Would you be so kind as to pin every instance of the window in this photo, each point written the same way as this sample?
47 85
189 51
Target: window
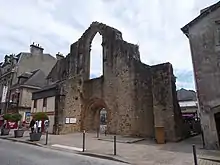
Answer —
13 97
18 97
217 36
217 33
45 102
96 57
35 103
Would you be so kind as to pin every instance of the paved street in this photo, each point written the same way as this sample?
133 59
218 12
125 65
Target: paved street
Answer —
13 153
139 153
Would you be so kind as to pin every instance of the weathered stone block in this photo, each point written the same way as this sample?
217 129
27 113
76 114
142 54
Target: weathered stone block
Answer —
136 96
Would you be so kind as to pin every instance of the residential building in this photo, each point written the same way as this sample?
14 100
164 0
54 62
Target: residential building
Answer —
45 100
189 108
15 66
203 33
21 92
188 102
7 72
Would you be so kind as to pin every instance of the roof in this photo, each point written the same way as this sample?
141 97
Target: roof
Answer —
47 87
23 54
186 95
36 78
203 14
26 75
188 103
47 91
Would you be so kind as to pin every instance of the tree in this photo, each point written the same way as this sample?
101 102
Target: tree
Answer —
40 116
7 116
16 117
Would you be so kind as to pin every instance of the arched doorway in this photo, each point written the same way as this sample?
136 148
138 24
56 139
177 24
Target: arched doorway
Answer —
95 116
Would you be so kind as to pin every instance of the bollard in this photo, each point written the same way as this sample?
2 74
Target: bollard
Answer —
194 155
105 132
97 132
114 145
46 137
84 132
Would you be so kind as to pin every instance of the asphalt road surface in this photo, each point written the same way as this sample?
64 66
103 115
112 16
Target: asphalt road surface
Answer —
14 153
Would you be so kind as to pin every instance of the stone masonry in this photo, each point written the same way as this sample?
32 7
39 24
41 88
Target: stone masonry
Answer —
203 33
138 97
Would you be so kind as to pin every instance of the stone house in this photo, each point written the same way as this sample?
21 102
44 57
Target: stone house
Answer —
7 71
139 99
21 92
16 65
203 33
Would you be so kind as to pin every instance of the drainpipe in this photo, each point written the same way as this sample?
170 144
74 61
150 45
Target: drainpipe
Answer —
18 96
8 94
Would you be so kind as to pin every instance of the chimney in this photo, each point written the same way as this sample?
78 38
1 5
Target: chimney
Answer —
59 56
36 49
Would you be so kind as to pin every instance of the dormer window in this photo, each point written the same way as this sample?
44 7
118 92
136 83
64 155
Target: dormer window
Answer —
21 80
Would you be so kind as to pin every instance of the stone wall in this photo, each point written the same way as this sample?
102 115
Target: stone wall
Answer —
143 99
127 89
25 97
167 112
205 49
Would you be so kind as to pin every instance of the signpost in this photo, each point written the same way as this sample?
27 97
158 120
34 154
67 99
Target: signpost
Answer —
27 116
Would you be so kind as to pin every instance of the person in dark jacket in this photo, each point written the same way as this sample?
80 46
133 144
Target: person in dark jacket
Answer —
32 125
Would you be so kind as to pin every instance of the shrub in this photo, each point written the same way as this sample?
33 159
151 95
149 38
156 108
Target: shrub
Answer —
12 117
7 116
40 116
16 117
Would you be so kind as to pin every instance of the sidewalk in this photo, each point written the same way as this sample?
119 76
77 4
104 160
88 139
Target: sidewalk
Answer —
132 150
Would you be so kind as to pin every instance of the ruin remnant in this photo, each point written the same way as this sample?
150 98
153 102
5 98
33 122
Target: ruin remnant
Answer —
137 97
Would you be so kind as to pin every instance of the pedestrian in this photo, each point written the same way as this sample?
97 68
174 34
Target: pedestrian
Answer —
46 124
32 125
5 124
36 126
39 125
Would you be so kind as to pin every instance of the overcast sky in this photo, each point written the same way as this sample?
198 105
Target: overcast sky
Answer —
152 24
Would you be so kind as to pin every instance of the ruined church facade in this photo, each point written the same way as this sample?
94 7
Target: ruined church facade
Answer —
137 97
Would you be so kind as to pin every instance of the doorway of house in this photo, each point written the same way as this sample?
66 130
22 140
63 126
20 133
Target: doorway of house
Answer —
217 122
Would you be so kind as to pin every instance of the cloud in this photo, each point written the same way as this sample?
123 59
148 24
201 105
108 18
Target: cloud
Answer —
184 79
154 25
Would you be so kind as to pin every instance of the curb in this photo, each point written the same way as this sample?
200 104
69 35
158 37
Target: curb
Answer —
128 142
95 155
209 159
21 141
27 142
101 156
